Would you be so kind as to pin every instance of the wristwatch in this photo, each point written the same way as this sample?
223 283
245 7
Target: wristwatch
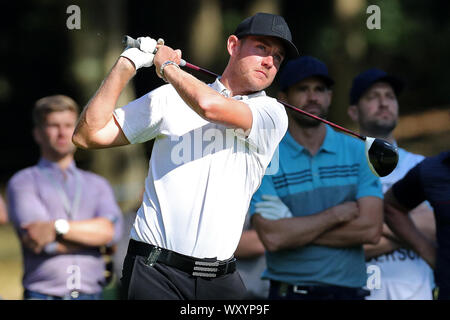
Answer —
61 227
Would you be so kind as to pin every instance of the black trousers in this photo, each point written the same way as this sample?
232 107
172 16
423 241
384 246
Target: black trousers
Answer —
443 293
161 282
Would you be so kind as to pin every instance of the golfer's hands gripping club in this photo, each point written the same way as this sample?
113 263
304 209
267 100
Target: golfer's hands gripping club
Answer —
164 55
157 53
272 208
142 52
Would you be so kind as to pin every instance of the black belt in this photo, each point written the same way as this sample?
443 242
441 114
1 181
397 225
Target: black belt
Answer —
304 290
209 268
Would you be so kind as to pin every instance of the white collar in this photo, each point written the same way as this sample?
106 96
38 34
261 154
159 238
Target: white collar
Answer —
219 87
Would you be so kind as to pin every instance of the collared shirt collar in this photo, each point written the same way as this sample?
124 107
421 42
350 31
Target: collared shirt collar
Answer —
219 87
44 163
328 145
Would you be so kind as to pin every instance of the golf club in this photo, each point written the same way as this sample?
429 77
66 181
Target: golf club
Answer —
382 157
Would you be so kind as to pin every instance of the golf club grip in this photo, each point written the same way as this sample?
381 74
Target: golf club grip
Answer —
133 43
130 42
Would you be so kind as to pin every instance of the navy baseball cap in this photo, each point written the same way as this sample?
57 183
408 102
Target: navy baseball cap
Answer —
301 68
363 81
267 24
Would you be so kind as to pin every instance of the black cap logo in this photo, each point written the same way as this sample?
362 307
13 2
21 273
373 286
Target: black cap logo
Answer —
278 26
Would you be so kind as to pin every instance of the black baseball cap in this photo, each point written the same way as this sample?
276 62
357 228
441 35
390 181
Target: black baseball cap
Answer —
267 24
301 68
363 81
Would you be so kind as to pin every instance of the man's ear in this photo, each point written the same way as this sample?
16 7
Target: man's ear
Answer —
353 113
37 135
232 45
329 96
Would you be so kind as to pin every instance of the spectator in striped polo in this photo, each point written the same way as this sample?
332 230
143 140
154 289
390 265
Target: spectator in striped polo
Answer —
322 205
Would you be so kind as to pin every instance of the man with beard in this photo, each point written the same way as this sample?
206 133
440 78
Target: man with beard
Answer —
63 215
395 271
314 215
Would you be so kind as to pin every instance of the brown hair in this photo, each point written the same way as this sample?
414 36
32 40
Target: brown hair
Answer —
50 104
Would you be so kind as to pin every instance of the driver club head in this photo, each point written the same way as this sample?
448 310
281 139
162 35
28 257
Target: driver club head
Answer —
381 156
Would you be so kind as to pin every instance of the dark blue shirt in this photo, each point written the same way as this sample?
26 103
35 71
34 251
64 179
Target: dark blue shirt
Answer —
430 180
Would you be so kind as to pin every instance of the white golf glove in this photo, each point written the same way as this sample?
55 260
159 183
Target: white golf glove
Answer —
272 208
142 57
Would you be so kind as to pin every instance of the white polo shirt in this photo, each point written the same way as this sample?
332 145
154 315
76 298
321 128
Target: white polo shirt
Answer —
202 175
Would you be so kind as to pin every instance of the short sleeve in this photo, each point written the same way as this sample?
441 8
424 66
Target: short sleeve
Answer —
266 188
368 183
409 191
142 119
269 125
24 204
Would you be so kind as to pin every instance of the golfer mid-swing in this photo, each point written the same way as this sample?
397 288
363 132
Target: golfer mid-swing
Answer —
212 146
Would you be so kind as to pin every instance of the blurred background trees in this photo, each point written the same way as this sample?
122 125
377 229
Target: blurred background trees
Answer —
41 56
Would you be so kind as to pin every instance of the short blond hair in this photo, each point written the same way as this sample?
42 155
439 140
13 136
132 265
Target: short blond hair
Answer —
50 104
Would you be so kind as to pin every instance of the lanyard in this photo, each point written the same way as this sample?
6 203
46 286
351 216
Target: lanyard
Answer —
70 209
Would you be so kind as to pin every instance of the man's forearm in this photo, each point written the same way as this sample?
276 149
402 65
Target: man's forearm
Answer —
293 232
405 229
194 92
94 232
388 243
208 103
250 245
423 218
352 233
65 247
385 245
365 229
98 114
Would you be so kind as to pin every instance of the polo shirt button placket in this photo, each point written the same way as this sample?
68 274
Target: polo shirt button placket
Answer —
315 173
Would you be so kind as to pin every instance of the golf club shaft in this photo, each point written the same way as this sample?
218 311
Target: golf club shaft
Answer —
129 41
186 64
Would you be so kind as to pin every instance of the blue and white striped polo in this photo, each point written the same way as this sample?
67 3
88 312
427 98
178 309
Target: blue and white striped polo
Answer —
309 185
